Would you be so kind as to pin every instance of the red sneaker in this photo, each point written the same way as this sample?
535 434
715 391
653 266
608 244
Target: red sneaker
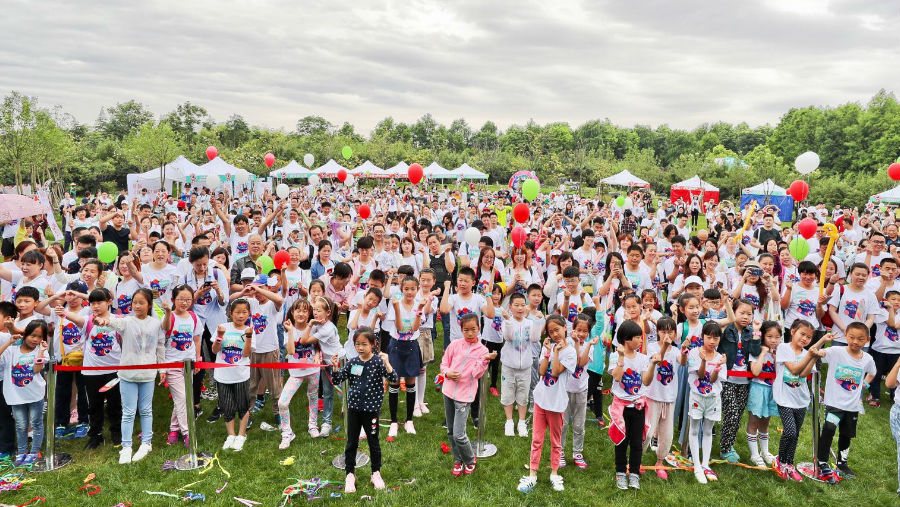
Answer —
495 392
469 468
457 469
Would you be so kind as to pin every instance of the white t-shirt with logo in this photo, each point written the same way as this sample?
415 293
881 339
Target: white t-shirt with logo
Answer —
845 378
550 392
180 339
789 390
664 387
631 386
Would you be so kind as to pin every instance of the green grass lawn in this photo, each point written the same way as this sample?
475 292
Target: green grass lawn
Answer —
257 474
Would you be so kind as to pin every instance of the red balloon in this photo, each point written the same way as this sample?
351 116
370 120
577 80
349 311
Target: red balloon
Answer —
211 152
521 212
270 159
840 223
518 237
415 173
281 258
342 175
799 190
788 192
894 171
807 227
364 211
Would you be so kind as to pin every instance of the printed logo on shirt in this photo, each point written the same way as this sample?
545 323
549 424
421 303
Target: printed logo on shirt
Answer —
848 377
70 334
694 342
406 334
631 382
851 308
123 303
768 367
483 287
23 372
101 344
182 340
806 307
876 270
242 247
303 351
790 379
259 323
233 351
739 360
753 298
793 278
205 299
460 313
548 379
665 373
574 310
577 373
703 384
890 333
497 323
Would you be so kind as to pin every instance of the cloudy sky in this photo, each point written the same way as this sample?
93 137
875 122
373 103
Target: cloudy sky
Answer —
681 62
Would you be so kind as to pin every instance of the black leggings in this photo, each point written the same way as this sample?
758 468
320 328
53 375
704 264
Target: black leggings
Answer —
883 364
847 426
792 420
595 394
368 422
64 382
495 362
113 406
634 440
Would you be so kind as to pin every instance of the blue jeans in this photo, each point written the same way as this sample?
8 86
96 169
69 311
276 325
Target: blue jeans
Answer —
25 414
327 398
136 397
445 322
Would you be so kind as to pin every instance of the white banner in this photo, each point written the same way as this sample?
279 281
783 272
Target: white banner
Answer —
44 199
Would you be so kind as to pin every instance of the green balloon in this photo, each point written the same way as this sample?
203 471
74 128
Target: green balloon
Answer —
266 264
620 201
530 189
799 248
107 252
347 152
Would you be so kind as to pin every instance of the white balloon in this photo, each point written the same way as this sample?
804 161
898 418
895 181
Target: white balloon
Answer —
314 179
807 162
472 236
629 203
282 191
350 180
309 160
241 178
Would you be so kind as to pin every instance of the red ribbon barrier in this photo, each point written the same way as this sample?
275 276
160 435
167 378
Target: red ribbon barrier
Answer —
201 365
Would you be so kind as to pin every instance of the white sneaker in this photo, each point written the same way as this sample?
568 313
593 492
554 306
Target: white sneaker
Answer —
350 484
286 441
509 429
229 442
757 460
527 483
392 431
768 459
125 456
408 426
417 412
523 428
239 443
377 481
142 452
325 432
556 481
313 432
699 475
424 408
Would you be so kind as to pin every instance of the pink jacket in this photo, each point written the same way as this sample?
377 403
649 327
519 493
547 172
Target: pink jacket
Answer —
468 359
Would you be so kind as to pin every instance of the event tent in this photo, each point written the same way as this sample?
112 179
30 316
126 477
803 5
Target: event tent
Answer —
467 172
436 172
891 196
218 167
329 169
175 171
291 170
768 193
368 170
689 188
625 179
401 170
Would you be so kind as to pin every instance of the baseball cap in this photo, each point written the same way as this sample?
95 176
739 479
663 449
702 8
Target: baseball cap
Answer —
248 274
260 279
555 252
693 280
78 286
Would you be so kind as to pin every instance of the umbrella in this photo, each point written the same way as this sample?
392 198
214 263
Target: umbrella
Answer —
515 182
15 206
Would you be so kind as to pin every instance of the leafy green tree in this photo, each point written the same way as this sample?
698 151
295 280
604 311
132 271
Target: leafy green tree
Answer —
151 147
123 119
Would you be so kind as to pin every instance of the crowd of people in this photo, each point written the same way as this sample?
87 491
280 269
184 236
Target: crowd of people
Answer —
686 326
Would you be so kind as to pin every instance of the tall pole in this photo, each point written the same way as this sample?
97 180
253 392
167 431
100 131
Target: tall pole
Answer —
52 460
483 449
192 460
811 470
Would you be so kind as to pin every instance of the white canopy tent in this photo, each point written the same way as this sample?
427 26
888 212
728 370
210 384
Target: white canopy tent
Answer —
291 170
891 196
368 170
401 170
767 187
625 179
436 172
329 169
175 171
467 172
218 167
694 183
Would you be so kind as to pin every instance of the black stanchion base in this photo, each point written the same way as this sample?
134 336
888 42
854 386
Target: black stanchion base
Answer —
184 462
338 462
60 460
484 449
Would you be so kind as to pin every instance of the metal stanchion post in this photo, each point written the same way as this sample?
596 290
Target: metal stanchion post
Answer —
811 470
483 449
193 459
51 460
362 459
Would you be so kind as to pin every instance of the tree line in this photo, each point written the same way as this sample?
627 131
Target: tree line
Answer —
855 143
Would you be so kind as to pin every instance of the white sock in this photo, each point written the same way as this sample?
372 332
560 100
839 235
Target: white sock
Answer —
707 441
764 442
420 393
752 439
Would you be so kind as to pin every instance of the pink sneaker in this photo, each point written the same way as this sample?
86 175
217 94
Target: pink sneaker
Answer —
172 438
662 474
792 473
187 441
